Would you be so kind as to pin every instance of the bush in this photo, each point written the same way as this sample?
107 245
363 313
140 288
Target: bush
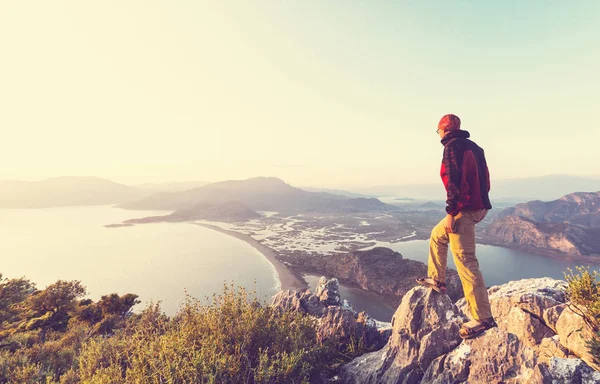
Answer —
583 297
55 336
583 294
235 339
42 331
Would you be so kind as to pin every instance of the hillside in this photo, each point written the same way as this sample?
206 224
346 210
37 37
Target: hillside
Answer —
570 224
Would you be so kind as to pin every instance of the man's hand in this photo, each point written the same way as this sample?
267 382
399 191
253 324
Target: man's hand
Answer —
449 223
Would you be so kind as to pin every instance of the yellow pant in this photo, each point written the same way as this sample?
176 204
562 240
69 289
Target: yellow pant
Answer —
462 245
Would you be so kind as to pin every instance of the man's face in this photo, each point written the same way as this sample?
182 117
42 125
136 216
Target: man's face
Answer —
442 133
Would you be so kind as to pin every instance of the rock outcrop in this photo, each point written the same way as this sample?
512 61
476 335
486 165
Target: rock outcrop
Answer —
569 225
538 340
335 318
379 270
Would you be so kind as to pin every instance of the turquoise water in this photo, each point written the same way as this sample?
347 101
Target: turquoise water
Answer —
159 262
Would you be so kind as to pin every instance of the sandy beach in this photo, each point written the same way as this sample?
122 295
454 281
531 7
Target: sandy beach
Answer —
287 278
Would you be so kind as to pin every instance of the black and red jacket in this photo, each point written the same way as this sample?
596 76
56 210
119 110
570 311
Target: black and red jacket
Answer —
464 174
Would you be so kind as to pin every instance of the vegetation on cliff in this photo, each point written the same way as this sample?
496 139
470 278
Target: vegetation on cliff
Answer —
56 336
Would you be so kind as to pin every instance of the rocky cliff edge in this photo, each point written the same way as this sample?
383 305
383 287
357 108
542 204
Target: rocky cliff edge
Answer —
539 339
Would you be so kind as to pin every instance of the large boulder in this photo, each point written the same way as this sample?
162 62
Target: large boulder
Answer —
536 312
498 357
424 327
328 291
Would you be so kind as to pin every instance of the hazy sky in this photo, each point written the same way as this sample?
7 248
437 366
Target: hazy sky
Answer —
320 93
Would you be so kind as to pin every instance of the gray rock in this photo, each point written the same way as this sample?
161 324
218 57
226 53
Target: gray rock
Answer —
298 301
498 357
328 291
571 371
335 319
424 326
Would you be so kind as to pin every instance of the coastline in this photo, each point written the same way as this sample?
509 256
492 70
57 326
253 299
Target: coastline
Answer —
287 279
545 252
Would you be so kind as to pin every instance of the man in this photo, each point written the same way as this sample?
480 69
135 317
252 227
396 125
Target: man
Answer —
466 178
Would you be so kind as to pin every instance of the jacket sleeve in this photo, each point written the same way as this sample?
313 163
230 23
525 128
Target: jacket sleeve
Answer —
452 163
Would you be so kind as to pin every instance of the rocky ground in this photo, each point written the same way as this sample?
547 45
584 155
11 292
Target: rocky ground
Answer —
539 340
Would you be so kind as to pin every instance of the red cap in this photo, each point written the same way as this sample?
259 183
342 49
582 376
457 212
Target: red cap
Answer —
449 123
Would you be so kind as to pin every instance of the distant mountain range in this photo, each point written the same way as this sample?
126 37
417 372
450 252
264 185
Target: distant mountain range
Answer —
259 194
175 186
337 192
266 193
570 224
516 190
60 191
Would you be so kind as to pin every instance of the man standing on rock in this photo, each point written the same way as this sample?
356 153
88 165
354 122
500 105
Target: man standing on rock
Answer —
466 178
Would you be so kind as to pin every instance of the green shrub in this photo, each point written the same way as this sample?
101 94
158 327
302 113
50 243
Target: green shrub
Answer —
583 297
583 294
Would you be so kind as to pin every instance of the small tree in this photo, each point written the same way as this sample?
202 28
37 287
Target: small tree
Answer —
12 293
114 304
52 308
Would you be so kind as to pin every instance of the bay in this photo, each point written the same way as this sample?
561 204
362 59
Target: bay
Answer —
159 261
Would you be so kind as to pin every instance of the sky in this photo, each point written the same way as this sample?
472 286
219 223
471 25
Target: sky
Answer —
319 93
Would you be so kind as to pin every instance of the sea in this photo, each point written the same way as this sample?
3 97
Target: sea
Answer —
171 262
